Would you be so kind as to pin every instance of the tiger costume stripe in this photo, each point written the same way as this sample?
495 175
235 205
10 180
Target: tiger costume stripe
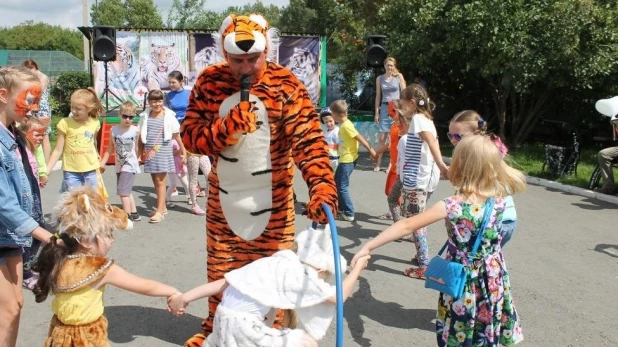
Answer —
294 137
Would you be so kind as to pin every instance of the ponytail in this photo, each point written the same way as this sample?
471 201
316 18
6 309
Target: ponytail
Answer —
49 262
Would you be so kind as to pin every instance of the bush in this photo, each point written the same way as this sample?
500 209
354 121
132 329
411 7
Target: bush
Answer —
66 84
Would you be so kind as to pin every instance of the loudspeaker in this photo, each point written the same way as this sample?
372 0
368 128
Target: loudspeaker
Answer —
104 43
376 54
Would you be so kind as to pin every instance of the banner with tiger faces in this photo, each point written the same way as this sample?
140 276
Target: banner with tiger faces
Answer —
145 59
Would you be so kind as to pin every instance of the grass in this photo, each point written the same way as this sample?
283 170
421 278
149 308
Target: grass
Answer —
529 159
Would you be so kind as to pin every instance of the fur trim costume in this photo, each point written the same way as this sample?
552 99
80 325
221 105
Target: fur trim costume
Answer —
78 308
255 145
78 321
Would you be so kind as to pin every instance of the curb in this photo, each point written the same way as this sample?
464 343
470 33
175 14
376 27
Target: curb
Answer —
612 199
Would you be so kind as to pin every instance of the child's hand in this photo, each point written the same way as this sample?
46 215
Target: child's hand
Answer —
42 181
176 304
102 168
183 158
372 152
362 253
361 262
443 170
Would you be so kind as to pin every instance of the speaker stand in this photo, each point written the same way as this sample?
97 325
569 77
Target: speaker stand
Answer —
373 93
107 91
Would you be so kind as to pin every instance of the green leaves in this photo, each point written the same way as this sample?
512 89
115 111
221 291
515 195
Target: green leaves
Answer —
127 13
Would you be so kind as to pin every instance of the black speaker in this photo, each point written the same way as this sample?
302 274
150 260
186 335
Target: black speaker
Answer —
104 43
376 53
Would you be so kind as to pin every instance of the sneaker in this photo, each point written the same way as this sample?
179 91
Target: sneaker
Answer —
198 211
174 193
345 217
135 217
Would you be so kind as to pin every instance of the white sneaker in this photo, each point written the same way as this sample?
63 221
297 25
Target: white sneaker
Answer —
174 193
189 201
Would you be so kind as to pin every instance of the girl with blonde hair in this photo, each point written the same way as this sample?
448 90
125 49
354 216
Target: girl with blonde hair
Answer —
20 91
484 315
76 141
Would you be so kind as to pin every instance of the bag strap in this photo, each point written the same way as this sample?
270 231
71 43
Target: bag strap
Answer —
489 207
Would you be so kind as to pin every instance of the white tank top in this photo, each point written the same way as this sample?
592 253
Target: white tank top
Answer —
237 301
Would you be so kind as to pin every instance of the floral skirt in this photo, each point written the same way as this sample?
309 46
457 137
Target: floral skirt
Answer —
87 335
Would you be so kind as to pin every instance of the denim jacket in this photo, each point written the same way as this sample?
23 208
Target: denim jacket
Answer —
16 222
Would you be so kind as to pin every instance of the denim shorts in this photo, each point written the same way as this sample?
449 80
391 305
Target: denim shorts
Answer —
78 179
9 252
385 122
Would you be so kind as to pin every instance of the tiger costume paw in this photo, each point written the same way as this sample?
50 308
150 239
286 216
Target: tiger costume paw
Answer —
314 208
241 119
196 340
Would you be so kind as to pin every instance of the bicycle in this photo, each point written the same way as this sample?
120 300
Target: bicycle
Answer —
595 178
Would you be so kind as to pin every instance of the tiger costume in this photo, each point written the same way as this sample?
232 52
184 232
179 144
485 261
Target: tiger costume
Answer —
250 211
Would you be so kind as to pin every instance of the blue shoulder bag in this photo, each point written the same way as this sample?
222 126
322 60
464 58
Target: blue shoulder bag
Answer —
447 276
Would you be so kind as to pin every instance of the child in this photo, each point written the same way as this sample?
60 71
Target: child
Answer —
20 91
399 128
76 141
348 154
484 315
421 167
123 141
179 174
34 128
195 162
157 127
467 123
332 136
78 272
299 280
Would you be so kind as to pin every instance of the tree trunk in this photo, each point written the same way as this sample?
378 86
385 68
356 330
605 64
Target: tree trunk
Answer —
500 96
529 117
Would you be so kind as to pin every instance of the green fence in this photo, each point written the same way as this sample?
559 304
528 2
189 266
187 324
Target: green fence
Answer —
51 63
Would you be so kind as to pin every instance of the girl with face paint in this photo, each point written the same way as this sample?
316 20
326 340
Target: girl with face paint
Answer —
20 91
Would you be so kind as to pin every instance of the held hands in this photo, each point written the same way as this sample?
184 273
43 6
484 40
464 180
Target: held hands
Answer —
242 119
443 170
176 304
42 181
362 257
102 168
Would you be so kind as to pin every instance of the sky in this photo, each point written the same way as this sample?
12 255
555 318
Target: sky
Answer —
68 13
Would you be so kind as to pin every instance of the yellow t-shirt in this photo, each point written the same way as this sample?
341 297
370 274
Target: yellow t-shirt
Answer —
348 148
79 154
80 307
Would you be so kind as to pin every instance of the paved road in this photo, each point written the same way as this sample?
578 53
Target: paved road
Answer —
563 263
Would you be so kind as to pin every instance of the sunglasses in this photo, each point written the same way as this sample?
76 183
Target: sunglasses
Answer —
126 116
454 137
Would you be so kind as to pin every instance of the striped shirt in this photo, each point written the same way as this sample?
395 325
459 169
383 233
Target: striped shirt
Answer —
420 170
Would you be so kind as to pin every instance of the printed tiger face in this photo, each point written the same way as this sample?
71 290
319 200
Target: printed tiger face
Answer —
164 57
206 57
302 62
124 58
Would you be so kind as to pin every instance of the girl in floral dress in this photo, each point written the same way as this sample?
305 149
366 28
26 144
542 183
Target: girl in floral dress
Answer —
485 314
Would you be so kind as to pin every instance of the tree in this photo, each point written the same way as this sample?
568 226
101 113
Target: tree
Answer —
184 12
127 13
212 20
42 36
519 55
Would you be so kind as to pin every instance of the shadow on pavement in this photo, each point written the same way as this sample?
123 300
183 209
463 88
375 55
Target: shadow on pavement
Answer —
390 314
611 250
127 322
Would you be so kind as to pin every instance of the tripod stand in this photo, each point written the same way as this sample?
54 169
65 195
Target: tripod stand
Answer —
107 91
373 90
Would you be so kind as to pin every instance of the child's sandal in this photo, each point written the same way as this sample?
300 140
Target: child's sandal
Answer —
418 273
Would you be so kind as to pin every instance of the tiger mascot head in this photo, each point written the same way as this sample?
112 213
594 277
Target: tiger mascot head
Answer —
164 58
246 35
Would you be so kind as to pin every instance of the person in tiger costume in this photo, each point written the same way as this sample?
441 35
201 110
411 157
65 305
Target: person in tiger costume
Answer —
254 144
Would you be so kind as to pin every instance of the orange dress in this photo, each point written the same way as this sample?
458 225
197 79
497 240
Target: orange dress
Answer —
391 175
